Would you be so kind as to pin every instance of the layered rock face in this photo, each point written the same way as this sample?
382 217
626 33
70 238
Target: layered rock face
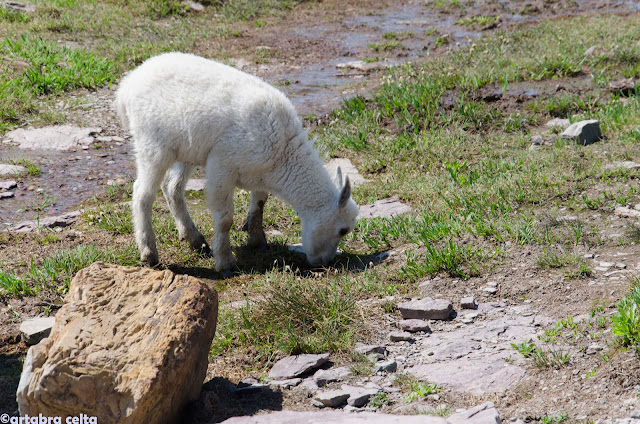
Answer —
130 345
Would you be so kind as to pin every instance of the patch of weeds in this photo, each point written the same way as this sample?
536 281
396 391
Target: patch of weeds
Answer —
543 358
32 168
295 316
55 68
385 46
442 40
552 259
379 400
478 21
626 323
116 220
549 419
162 8
398 35
452 258
421 389
12 285
362 365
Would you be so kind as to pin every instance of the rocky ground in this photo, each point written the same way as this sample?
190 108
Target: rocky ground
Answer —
461 348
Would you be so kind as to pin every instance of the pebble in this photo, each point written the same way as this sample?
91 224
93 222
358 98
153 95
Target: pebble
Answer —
365 349
8 185
427 308
6 195
583 132
400 336
468 302
388 366
414 325
331 398
35 329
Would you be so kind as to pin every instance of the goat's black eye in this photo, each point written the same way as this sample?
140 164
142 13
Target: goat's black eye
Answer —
343 232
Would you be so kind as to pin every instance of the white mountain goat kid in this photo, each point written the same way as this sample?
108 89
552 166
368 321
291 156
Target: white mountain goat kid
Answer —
183 111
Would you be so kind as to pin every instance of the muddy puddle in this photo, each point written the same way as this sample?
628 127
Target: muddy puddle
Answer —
316 86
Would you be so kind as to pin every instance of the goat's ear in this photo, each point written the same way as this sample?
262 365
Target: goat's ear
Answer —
345 194
338 177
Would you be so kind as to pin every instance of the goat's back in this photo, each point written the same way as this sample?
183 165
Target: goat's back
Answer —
191 106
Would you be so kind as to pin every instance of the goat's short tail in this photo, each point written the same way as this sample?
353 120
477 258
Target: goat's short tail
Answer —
121 109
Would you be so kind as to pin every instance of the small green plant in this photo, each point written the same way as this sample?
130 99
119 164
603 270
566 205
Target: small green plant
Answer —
478 21
626 323
381 47
549 419
32 168
421 389
379 400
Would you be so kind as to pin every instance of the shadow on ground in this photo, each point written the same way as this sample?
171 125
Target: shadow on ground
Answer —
220 400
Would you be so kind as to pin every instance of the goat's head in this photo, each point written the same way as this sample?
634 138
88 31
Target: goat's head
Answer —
321 235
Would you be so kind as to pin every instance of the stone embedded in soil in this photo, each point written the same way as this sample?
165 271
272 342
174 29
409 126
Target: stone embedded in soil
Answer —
18 6
360 65
59 137
11 169
400 336
59 221
286 383
468 303
490 290
414 325
323 377
194 6
359 396
334 417
622 165
626 212
624 86
383 208
124 339
347 168
195 184
8 185
583 132
387 366
365 349
332 398
293 366
32 330
558 123
426 308
481 414
6 194
537 140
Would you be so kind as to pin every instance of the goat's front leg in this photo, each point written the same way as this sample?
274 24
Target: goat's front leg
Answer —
220 197
253 224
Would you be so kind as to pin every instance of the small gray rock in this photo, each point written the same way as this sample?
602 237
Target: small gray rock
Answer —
323 377
383 208
468 303
8 185
400 336
481 414
388 366
583 132
365 349
6 195
636 414
11 169
426 308
332 398
537 140
359 396
293 366
35 329
414 325
558 123
286 384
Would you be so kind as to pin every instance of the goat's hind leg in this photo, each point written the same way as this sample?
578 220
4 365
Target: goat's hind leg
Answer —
173 188
253 224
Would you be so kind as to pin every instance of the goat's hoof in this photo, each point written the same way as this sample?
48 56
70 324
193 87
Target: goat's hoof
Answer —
150 258
204 250
228 273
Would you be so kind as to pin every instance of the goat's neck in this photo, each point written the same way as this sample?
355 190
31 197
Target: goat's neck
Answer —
306 185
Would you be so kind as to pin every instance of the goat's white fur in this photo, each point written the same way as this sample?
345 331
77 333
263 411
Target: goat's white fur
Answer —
183 111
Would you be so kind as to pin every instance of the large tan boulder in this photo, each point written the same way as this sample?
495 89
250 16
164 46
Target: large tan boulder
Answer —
130 345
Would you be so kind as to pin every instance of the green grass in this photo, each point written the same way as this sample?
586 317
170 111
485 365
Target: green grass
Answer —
478 21
32 168
54 273
293 317
543 358
626 323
